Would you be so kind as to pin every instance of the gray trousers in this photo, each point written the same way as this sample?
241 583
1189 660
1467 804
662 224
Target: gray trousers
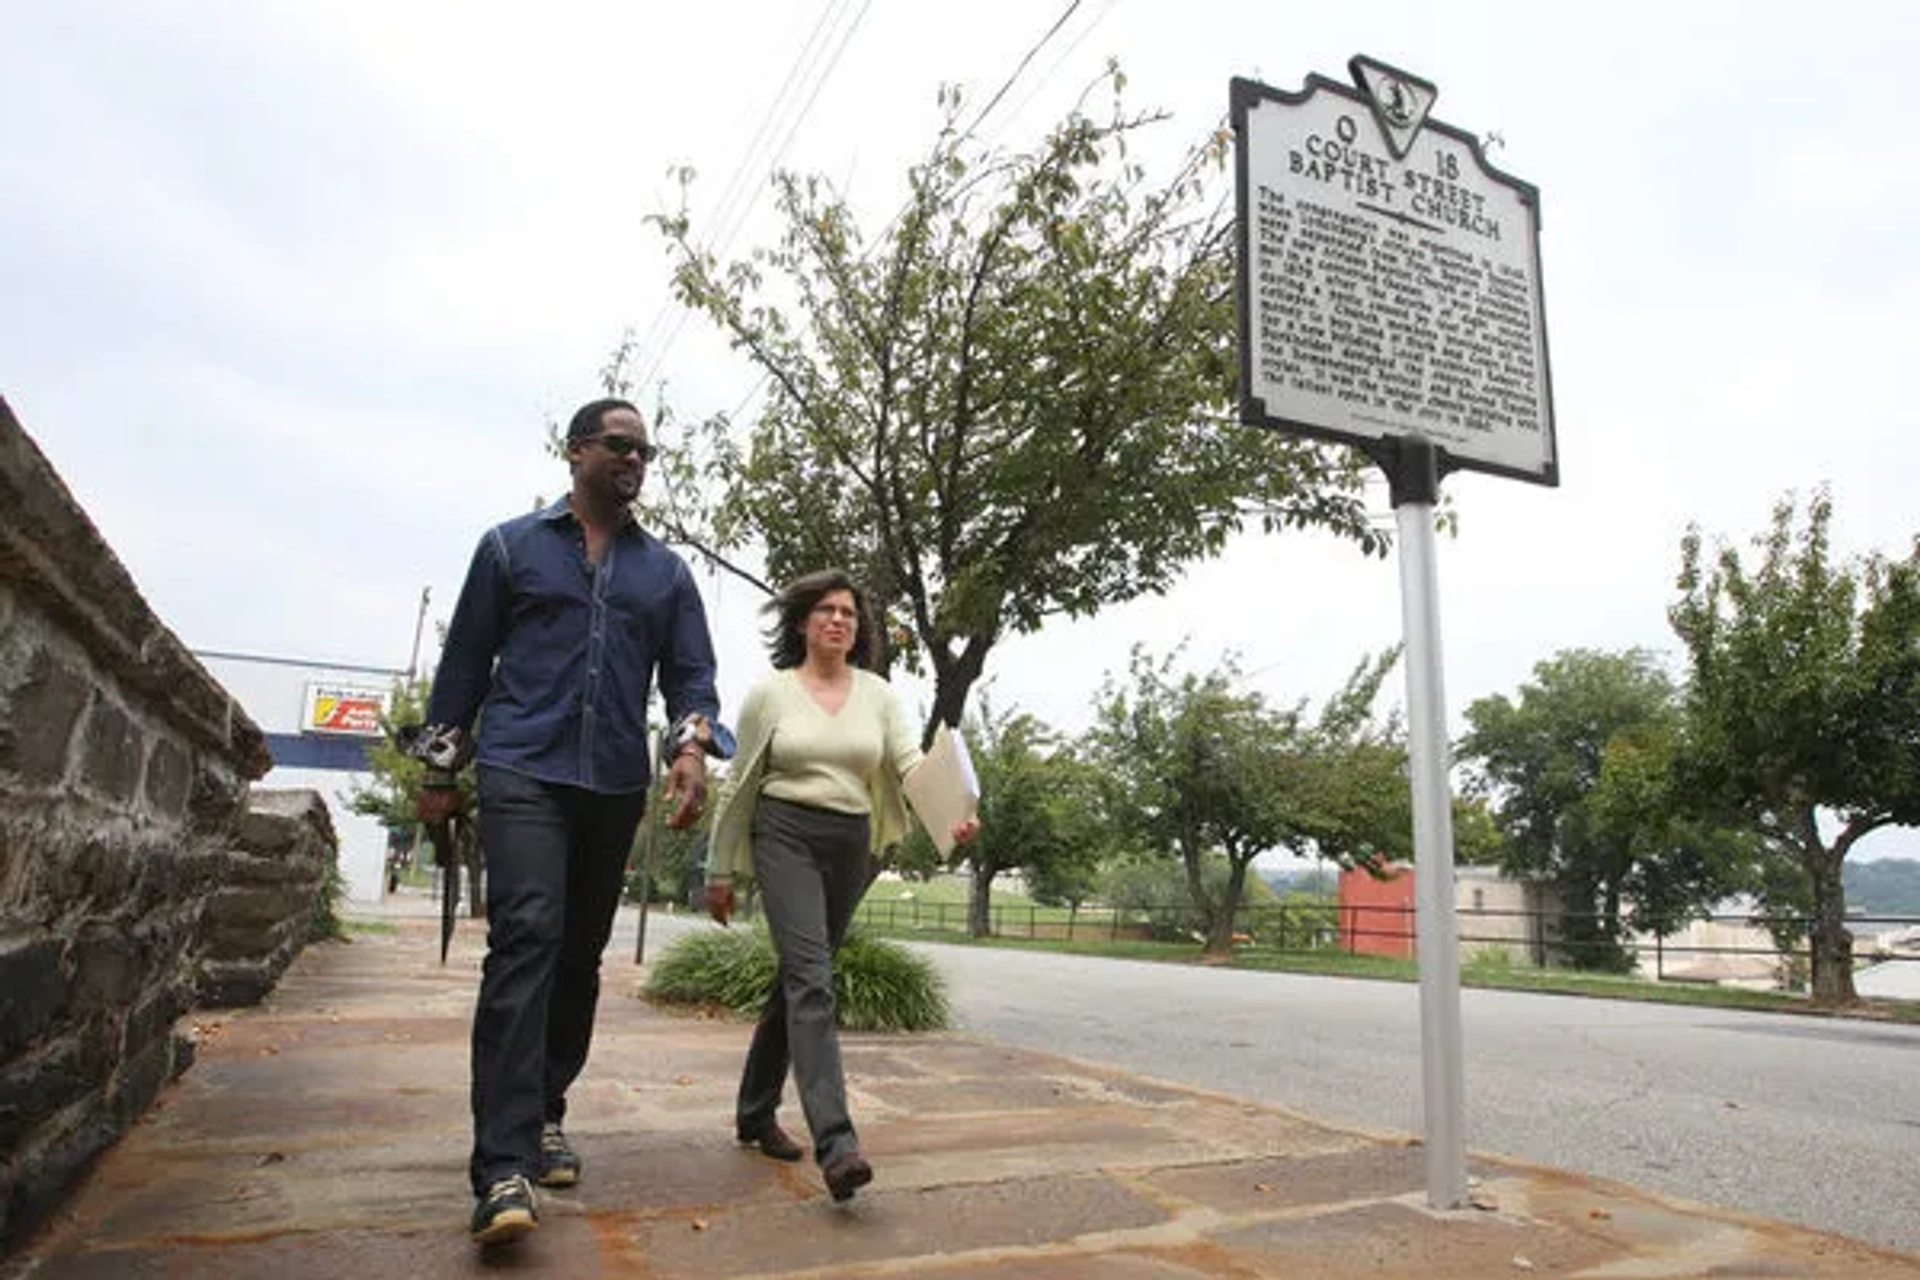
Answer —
813 866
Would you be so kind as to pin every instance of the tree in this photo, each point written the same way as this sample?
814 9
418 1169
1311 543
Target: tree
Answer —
1032 816
666 864
395 786
1084 839
1804 703
1013 404
1197 769
1578 770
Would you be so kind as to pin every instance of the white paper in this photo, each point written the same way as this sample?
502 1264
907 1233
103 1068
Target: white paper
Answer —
943 788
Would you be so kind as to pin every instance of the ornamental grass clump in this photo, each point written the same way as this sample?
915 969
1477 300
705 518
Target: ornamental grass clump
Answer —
877 985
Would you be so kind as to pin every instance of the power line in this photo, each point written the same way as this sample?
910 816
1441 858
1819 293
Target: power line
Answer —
1034 90
739 185
736 183
1020 68
745 209
1012 78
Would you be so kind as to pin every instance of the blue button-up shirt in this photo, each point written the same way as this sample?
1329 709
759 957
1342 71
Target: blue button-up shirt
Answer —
557 655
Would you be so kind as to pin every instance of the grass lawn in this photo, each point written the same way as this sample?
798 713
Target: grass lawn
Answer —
937 911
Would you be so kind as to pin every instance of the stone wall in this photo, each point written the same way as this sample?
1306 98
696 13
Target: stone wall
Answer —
124 774
262 913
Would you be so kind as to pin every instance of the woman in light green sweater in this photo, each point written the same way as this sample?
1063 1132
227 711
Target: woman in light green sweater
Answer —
813 794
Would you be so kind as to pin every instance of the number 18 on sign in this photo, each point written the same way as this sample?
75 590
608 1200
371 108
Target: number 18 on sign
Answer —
1389 298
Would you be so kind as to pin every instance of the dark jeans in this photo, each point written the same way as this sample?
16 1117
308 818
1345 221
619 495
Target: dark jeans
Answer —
556 859
813 866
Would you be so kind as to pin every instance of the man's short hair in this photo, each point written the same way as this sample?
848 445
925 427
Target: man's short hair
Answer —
586 419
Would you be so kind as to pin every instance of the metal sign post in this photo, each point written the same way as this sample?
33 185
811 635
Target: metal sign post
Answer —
1389 295
1414 476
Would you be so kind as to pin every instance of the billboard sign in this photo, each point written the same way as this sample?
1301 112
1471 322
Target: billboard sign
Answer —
344 710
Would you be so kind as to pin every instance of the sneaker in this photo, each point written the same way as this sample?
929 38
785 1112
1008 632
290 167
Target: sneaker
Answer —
559 1166
505 1213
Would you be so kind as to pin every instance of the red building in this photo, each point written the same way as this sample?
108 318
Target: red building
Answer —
1376 916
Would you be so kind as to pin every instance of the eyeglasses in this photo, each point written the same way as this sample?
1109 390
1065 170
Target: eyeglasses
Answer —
621 446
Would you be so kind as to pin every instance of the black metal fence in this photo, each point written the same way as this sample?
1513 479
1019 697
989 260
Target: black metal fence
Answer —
1712 949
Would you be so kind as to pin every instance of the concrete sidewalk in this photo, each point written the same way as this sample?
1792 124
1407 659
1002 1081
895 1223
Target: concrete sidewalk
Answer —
325 1133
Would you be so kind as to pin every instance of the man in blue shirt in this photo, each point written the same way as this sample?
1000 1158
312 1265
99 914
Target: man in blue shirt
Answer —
566 617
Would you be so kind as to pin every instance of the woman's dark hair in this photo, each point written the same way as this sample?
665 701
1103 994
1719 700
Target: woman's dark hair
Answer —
586 419
797 599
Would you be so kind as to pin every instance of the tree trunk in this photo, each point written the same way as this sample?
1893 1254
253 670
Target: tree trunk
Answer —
1220 930
952 681
980 900
475 859
1190 860
1828 938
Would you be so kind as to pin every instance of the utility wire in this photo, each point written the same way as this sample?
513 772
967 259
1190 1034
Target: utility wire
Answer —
793 131
1013 78
746 174
1020 69
1033 91
737 183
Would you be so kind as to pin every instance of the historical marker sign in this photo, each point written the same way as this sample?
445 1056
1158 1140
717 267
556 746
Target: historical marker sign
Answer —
1389 277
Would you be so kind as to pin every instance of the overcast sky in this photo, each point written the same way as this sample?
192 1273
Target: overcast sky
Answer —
288 291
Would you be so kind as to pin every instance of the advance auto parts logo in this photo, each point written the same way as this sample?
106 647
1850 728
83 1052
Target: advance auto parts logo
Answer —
344 709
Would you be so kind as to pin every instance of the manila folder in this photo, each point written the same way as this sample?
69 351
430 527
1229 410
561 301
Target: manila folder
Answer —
942 788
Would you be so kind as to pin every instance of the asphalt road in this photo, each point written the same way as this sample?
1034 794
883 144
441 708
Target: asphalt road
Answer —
1807 1120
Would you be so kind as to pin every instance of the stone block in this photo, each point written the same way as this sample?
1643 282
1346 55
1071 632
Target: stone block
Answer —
234 984
36 987
37 730
266 834
139 1081
108 969
251 941
104 870
194 870
54 1160
38 1084
258 904
298 865
219 796
155 1015
169 778
287 823
111 751
12 854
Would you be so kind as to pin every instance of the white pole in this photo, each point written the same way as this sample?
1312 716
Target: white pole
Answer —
1443 1086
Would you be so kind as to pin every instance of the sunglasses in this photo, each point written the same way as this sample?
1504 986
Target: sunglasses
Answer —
621 446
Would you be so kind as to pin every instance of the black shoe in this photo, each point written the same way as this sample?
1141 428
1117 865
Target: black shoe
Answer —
846 1175
772 1140
505 1213
559 1166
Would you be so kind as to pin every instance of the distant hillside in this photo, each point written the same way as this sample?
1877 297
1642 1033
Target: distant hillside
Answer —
1322 881
1889 887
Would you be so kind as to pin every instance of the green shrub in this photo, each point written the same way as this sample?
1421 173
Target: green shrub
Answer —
882 986
733 968
877 985
326 925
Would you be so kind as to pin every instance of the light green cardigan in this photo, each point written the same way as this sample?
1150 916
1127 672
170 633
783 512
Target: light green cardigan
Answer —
730 844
